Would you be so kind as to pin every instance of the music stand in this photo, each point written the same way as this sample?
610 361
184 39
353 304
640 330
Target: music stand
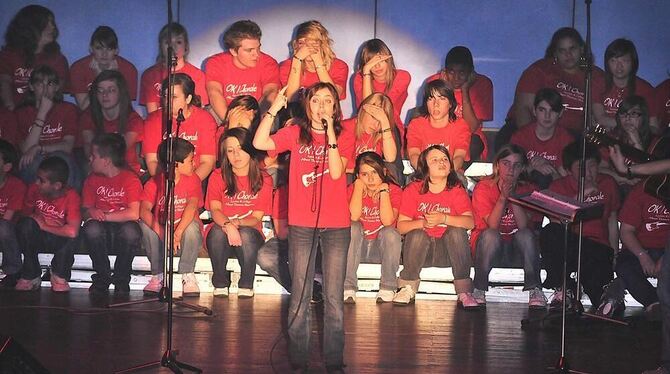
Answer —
567 211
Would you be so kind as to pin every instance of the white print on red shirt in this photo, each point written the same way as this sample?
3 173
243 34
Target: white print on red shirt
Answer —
311 178
48 130
659 213
3 205
241 215
572 93
21 78
596 197
544 155
49 210
110 192
612 103
432 207
236 89
372 232
309 153
507 220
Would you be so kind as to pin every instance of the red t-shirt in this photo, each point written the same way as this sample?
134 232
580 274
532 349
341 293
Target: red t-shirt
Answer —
12 193
364 144
8 126
135 124
111 194
551 149
152 79
455 135
454 201
61 121
244 202
188 186
484 198
545 73
55 212
663 103
308 182
370 219
235 81
82 75
199 128
13 63
612 98
280 202
608 194
649 216
397 93
339 72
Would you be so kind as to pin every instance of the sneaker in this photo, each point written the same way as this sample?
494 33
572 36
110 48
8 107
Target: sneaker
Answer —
189 285
317 293
653 312
480 296
467 301
9 282
349 297
609 306
59 284
556 304
404 296
220 292
155 284
28 284
98 288
245 293
121 288
536 299
384 296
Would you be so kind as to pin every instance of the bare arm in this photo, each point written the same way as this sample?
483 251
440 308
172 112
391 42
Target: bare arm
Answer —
601 117
132 213
613 231
206 166
82 100
216 98
407 224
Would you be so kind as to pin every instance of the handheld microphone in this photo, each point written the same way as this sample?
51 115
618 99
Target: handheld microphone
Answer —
180 116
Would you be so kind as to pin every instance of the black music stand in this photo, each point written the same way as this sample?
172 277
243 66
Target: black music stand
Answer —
567 211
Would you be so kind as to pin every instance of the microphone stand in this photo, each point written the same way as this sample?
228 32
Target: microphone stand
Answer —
169 358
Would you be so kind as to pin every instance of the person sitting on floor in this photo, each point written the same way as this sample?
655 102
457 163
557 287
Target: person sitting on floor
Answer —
501 225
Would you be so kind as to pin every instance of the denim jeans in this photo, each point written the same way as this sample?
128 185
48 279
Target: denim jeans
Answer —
452 247
220 251
191 242
490 243
303 242
29 173
664 297
385 249
32 239
596 270
273 258
631 277
9 246
104 238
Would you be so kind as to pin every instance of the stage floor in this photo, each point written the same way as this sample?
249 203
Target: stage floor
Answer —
75 333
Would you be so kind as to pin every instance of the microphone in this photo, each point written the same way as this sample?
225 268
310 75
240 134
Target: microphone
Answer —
324 123
180 116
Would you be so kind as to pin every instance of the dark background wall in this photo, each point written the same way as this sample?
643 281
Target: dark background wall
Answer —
504 36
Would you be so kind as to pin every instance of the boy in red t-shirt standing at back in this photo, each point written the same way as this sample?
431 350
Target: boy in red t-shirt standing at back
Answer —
111 208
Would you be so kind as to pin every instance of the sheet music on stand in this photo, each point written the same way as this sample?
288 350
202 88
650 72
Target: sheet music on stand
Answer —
558 206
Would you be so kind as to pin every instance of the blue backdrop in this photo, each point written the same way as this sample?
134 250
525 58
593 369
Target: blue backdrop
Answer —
504 36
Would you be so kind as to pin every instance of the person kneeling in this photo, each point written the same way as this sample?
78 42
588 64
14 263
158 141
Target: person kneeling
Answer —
187 198
374 199
435 214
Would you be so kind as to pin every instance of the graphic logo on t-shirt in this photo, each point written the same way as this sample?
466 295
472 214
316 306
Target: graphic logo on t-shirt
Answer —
433 207
21 78
598 196
612 104
658 209
233 90
311 178
544 155
3 205
241 215
50 131
571 93
110 192
49 210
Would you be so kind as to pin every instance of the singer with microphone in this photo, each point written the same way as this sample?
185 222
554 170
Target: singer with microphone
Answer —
318 216
190 123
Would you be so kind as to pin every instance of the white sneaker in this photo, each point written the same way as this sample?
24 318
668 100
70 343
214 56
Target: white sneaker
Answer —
480 296
221 292
467 301
405 296
349 297
536 299
155 284
245 293
189 285
385 296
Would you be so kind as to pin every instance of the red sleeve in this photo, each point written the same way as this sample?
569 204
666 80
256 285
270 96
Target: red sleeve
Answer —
396 196
286 138
284 70
347 144
17 195
149 191
153 133
134 187
631 212
481 95
129 72
531 80
81 75
215 188
135 124
148 93
398 92
69 118
462 137
264 201
270 73
280 203
483 202
460 201
73 207
214 69
208 135
195 188
408 201
613 192
88 193
339 72
414 135
358 89
62 68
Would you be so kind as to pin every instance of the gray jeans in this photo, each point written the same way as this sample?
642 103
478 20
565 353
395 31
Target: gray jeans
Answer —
385 249
490 243
191 242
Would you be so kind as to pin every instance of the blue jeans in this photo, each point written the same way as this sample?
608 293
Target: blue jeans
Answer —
273 258
385 249
490 242
663 290
9 246
32 240
220 251
104 238
303 242
191 242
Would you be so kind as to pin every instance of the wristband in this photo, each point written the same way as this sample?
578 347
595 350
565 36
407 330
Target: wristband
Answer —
270 114
384 190
366 74
317 67
332 146
629 174
298 58
641 252
386 130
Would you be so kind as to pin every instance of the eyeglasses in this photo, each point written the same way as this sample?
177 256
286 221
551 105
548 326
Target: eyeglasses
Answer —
630 115
111 90
511 165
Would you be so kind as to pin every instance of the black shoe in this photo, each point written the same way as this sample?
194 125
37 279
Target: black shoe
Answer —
335 369
99 288
9 282
121 288
317 293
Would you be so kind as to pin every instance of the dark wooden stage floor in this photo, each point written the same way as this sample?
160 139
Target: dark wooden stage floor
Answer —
75 334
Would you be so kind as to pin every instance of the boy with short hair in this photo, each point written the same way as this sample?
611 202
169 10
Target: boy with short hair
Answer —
51 222
12 193
111 208
187 226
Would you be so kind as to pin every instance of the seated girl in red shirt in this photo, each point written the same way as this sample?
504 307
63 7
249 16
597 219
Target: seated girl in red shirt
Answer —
374 200
435 214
